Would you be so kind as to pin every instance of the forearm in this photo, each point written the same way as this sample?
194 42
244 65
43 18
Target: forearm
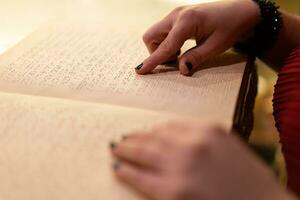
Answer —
288 39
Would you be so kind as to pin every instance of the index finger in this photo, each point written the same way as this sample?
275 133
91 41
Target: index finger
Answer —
172 43
156 34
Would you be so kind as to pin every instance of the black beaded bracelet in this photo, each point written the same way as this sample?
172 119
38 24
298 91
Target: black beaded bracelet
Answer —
266 32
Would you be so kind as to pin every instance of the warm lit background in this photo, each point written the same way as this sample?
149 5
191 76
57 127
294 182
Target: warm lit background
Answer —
265 134
19 18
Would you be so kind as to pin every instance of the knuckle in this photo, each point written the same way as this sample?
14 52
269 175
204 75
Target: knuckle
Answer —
221 135
188 14
213 135
215 132
147 37
198 148
178 9
166 46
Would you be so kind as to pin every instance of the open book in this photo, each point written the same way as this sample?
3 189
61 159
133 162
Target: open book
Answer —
70 88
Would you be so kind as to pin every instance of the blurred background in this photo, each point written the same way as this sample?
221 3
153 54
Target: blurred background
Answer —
18 18
265 137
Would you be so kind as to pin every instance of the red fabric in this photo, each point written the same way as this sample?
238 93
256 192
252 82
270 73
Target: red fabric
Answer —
286 105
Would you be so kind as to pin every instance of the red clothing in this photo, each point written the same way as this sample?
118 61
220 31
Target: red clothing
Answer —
286 105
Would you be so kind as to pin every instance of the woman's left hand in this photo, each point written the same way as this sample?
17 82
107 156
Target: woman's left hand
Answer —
189 161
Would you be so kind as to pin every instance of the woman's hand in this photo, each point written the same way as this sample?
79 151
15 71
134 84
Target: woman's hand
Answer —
215 27
189 161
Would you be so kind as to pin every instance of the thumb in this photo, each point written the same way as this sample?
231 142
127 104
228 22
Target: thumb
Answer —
193 58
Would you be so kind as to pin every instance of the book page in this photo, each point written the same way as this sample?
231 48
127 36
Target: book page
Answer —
96 63
71 89
59 149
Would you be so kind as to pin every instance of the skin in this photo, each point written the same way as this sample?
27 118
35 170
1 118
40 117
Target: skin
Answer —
205 24
186 160
208 26
190 161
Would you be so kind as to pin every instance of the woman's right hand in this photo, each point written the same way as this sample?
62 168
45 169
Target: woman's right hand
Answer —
215 26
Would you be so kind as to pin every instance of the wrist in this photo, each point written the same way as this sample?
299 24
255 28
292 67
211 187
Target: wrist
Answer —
252 10
268 22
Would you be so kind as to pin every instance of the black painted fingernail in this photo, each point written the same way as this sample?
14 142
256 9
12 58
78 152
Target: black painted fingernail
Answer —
112 145
116 165
189 66
139 66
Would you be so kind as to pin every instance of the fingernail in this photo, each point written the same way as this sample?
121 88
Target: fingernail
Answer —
139 66
189 66
116 165
112 145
